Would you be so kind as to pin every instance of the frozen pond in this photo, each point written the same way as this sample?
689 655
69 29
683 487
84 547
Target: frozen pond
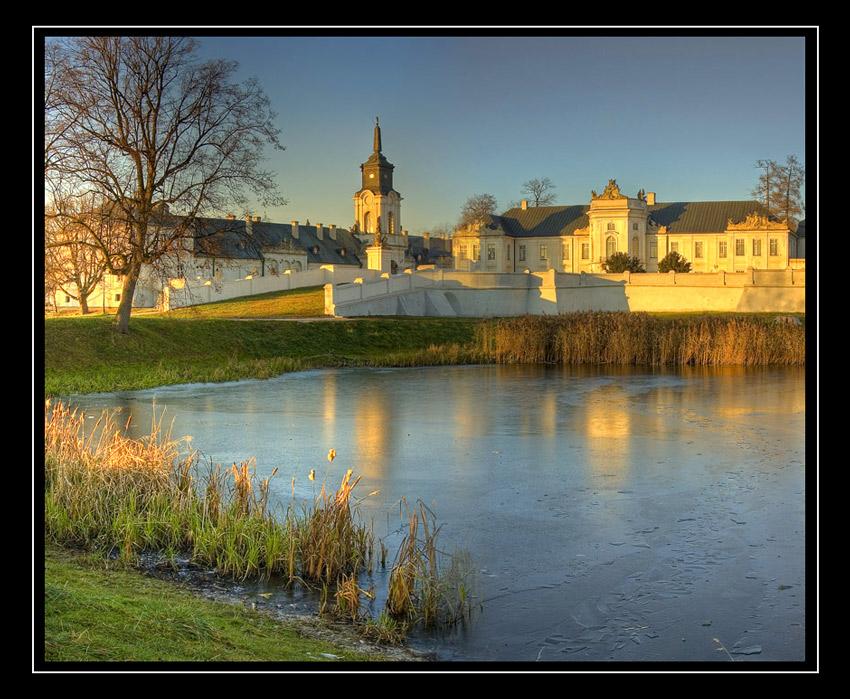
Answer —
615 513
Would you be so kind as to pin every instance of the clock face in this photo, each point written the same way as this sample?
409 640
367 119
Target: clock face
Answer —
371 175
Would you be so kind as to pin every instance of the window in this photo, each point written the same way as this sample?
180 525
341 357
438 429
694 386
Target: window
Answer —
508 251
739 247
491 252
635 226
612 226
544 252
674 247
721 249
635 245
757 247
118 298
774 247
522 253
653 249
585 251
461 252
476 252
610 246
697 250
566 251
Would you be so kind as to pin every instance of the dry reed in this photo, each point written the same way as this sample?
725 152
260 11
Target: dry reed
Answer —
640 338
427 585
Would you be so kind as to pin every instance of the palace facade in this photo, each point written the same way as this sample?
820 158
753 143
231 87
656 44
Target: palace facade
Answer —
730 236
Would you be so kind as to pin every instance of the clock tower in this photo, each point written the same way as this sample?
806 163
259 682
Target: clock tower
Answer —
377 206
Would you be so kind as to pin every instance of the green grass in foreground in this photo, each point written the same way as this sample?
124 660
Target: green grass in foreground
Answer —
94 613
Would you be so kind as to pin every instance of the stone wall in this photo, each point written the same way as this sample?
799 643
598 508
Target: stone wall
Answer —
470 294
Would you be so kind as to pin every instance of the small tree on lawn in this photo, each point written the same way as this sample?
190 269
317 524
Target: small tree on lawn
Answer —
674 262
621 262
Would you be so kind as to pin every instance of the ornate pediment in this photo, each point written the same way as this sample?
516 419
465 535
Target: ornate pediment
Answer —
755 221
612 191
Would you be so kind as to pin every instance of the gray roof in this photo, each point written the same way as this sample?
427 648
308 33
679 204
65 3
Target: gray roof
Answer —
544 220
679 217
702 216
231 239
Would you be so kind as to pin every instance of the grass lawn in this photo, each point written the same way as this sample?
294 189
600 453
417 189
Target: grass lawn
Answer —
253 337
98 614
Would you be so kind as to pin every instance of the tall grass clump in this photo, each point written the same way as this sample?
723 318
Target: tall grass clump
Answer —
332 543
426 585
122 496
640 338
108 492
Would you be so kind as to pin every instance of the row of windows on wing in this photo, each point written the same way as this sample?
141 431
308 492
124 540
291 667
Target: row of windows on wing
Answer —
611 247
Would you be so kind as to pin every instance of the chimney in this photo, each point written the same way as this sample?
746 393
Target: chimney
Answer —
248 229
230 217
332 231
650 198
524 204
320 232
295 229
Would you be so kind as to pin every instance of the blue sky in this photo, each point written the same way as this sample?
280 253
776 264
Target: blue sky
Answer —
685 117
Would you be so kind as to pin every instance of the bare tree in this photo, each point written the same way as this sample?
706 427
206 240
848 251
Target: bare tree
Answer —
73 262
476 208
787 201
768 183
539 191
159 137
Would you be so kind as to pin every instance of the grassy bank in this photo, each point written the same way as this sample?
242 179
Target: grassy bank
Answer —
84 354
95 613
238 340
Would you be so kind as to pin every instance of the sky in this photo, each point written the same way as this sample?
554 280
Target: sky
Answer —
686 117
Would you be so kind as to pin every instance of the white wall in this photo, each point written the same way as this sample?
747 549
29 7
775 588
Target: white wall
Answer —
190 293
470 294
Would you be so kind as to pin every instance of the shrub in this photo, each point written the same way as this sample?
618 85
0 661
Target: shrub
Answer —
621 262
674 262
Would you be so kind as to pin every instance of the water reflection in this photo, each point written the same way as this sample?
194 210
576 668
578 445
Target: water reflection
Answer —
574 487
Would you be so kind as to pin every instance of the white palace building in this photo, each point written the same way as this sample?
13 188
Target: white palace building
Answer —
547 259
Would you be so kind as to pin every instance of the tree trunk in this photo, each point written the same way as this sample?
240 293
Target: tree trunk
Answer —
84 304
121 322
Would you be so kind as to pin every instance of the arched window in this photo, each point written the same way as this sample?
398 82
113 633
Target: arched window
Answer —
610 246
367 222
635 246
391 227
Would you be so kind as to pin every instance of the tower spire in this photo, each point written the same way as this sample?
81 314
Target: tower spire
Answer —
377 145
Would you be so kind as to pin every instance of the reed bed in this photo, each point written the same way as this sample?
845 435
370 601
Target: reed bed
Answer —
640 338
123 497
